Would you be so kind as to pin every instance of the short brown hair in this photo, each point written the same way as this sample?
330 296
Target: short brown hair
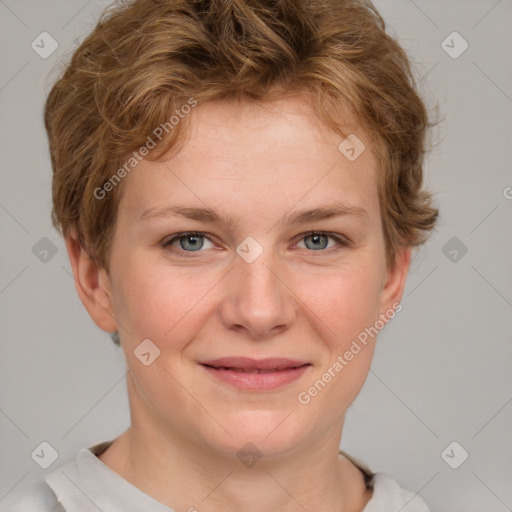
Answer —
147 58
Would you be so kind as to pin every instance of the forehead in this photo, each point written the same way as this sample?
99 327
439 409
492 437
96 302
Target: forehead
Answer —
239 130
255 157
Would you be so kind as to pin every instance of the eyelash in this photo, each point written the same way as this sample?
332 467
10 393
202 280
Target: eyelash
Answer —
342 241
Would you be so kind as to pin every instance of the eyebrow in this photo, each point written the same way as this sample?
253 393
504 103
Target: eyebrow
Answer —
297 217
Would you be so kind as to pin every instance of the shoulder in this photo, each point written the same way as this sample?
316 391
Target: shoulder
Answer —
57 491
388 495
50 493
38 498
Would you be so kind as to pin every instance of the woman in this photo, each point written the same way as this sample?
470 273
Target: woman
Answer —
239 184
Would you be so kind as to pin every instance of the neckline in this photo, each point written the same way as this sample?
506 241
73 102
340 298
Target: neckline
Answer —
90 456
368 475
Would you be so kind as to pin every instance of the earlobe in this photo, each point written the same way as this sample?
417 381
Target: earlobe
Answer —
396 278
92 284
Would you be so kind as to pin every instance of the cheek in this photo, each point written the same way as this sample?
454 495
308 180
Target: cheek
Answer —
155 302
346 300
348 306
161 304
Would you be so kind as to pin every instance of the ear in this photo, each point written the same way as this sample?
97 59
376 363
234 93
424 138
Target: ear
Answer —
396 277
92 284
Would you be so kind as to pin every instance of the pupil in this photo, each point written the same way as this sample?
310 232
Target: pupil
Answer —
316 240
191 242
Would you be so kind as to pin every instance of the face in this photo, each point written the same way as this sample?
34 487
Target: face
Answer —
281 293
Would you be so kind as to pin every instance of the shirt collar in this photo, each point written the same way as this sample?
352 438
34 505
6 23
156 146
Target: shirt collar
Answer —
89 485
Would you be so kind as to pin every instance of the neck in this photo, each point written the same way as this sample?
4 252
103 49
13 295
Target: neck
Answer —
187 476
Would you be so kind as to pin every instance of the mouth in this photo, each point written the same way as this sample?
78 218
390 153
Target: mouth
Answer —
251 370
256 375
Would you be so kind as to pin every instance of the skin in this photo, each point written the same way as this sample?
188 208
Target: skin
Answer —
301 299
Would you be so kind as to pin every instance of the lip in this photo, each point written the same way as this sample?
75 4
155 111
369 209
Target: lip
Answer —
256 374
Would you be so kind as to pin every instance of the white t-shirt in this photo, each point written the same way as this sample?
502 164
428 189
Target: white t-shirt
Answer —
89 485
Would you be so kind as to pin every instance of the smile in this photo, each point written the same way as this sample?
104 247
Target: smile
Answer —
256 375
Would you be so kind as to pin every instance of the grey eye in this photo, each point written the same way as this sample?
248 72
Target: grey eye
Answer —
316 241
189 242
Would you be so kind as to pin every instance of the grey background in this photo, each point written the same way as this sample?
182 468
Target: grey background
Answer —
442 368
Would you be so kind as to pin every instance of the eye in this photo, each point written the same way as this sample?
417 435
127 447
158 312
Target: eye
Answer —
189 242
318 241
194 241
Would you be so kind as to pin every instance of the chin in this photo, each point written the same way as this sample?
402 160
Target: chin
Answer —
265 432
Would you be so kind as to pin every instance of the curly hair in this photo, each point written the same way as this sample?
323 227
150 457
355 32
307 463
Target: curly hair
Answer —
146 59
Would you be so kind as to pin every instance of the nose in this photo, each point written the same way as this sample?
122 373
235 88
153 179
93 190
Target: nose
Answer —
258 301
